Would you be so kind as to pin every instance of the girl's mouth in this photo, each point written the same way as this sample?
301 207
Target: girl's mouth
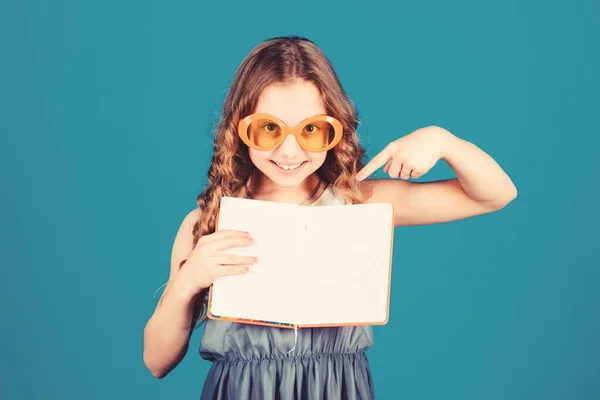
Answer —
289 168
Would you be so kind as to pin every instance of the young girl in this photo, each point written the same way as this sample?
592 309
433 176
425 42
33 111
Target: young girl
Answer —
288 134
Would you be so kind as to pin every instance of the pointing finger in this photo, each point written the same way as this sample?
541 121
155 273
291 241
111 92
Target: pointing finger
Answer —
372 166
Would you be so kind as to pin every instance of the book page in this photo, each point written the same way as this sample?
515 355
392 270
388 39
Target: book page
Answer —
270 291
346 264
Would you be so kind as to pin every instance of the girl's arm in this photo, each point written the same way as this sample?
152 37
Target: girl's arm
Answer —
167 333
479 175
481 185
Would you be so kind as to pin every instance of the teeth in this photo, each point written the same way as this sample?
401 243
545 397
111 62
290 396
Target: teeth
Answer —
288 167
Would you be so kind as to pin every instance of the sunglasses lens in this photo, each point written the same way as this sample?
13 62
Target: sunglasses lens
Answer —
264 133
316 135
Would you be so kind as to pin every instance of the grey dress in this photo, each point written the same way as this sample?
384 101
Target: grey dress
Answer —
252 361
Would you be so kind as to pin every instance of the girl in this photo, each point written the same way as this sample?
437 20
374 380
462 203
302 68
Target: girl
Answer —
288 134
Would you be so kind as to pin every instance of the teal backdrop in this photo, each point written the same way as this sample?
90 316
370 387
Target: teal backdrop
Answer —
106 116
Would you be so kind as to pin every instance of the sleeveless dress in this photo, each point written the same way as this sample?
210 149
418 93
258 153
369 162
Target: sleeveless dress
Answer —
252 361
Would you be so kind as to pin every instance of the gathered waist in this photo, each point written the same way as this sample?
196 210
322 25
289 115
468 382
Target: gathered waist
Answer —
292 357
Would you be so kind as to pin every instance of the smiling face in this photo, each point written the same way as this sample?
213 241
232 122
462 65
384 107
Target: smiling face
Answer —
289 165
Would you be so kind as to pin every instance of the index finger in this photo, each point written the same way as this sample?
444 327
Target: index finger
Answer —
224 243
223 234
378 161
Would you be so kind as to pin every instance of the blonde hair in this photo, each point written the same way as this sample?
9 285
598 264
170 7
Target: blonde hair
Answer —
277 60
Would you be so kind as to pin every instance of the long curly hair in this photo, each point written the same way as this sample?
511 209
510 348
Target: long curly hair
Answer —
274 61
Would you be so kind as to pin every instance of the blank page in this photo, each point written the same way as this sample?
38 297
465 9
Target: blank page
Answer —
347 261
270 291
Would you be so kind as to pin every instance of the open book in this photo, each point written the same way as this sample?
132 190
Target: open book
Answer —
317 266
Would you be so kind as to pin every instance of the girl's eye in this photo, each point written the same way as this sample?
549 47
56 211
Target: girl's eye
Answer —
271 127
310 128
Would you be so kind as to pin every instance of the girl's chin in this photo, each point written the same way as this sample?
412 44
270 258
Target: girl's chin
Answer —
287 182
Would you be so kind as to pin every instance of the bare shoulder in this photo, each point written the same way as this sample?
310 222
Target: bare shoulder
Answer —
191 217
184 240
420 203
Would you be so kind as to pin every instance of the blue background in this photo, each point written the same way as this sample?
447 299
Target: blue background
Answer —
106 111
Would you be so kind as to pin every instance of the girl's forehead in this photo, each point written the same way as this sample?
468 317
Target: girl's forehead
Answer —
291 103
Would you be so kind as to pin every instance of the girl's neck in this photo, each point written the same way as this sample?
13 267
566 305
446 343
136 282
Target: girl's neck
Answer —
265 189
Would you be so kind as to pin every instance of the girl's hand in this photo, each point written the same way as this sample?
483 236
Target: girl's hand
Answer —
411 156
206 262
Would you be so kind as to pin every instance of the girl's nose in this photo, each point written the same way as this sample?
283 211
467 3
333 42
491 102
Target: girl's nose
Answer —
290 147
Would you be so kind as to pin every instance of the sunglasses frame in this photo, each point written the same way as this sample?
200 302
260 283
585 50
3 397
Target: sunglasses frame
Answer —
245 122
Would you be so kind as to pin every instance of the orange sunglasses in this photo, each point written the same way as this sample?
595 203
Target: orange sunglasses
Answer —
267 132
